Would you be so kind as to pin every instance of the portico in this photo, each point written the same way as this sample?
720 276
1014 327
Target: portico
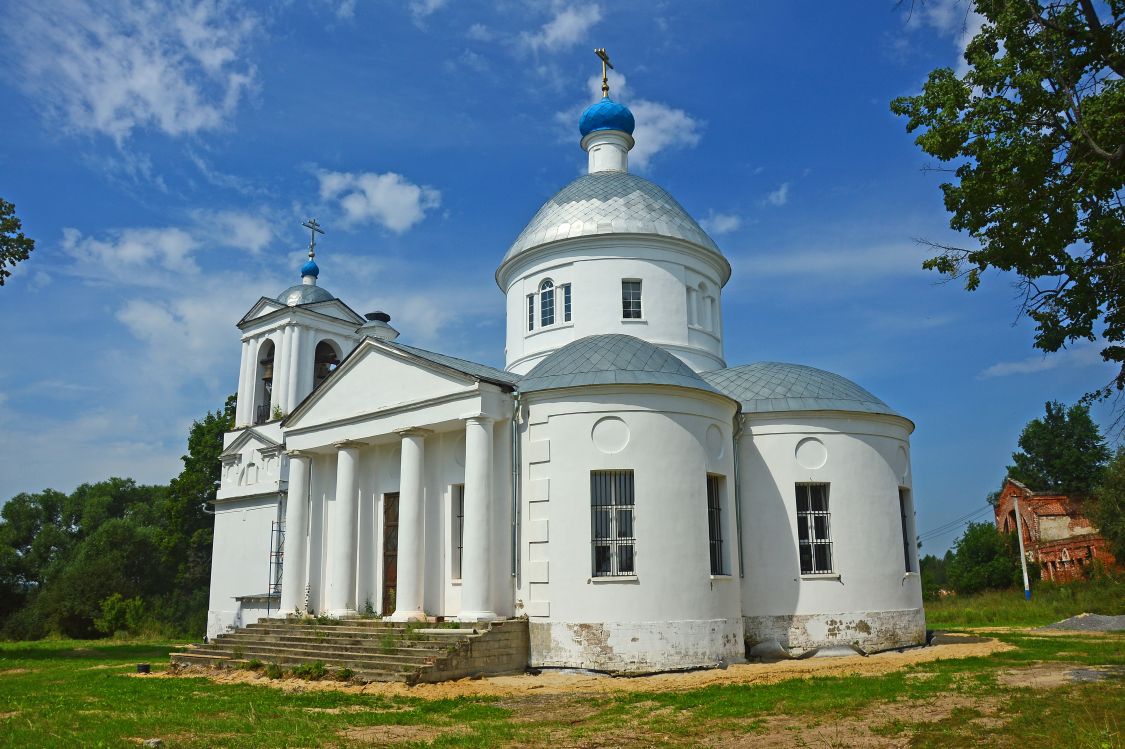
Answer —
373 515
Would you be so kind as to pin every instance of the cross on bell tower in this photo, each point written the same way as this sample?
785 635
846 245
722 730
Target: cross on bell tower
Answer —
314 229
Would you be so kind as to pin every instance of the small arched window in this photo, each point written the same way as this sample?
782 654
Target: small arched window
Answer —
325 362
546 303
263 386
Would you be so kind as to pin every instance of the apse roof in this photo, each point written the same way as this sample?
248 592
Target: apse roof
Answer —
610 203
766 387
610 360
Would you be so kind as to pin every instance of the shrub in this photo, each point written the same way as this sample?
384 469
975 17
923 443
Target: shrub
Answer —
273 671
345 674
985 559
310 671
120 614
253 665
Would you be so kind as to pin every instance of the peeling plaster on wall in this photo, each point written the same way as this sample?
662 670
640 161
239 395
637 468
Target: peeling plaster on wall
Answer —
636 647
871 631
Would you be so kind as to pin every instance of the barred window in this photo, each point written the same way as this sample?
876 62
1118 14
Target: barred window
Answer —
531 312
813 534
457 540
631 300
566 301
715 523
611 510
546 303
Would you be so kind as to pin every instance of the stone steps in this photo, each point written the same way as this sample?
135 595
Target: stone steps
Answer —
373 650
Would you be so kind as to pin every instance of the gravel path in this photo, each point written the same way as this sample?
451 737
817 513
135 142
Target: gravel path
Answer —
1090 623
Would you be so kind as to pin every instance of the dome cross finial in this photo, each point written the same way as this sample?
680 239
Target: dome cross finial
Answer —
606 66
314 229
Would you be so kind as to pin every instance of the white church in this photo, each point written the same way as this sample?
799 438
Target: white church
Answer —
644 505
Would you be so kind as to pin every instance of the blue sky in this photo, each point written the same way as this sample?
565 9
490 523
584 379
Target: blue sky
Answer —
164 156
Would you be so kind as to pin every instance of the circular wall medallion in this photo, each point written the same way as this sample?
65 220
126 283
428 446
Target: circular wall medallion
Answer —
902 463
610 434
459 450
716 445
811 453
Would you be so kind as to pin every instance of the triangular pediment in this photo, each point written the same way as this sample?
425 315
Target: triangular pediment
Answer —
261 308
375 377
248 436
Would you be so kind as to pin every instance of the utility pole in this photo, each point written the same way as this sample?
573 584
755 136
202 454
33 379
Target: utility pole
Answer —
1023 554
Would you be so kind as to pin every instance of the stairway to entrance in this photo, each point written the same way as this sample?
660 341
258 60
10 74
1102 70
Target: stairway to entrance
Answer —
373 650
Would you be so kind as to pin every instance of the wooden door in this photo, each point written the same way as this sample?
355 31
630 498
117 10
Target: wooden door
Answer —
390 552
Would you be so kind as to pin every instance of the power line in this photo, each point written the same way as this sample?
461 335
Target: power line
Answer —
952 525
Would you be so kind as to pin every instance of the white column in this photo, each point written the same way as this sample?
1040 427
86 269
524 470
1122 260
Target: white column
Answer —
293 570
342 547
280 368
292 397
411 544
240 417
476 564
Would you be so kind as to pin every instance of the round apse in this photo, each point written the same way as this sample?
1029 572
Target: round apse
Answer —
610 435
811 453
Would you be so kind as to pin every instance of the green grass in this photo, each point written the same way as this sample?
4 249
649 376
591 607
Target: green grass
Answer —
68 693
1049 603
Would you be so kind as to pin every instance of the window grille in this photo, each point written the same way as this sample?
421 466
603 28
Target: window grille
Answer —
631 300
904 516
566 301
531 312
546 303
458 529
813 534
611 509
715 524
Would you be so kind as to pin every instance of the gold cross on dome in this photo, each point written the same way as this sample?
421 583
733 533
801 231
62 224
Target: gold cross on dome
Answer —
314 229
601 53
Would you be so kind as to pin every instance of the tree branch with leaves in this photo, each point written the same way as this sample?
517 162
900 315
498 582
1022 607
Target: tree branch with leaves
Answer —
14 246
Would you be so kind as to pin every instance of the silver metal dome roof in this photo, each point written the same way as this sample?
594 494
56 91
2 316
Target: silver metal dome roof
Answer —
609 203
304 293
767 387
613 359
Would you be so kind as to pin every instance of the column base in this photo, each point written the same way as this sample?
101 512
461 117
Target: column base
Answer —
478 616
340 613
408 616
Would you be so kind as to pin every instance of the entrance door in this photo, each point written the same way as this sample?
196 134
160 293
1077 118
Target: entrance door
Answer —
390 552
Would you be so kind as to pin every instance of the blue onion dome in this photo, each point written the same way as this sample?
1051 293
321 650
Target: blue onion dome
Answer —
310 268
606 115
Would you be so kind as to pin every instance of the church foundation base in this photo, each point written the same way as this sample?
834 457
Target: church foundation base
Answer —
870 631
636 647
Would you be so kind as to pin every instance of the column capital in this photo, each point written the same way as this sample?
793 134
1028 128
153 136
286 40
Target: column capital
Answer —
346 444
479 418
413 432
298 453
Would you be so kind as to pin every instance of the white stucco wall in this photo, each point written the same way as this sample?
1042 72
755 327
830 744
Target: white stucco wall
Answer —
673 613
870 600
240 559
595 267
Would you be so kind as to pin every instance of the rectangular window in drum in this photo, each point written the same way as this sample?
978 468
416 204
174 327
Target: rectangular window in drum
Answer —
566 302
813 534
631 300
715 523
611 520
905 512
457 541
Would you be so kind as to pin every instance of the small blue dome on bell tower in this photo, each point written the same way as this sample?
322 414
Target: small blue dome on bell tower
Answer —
310 268
606 115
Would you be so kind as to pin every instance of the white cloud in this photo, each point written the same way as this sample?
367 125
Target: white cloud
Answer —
833 263
139 256
956 19
245 231
346 9
423 9
113 67
780 196
569 26
721 223
478 32
388 199
1079 356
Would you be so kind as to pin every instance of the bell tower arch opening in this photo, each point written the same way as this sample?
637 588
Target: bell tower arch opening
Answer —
263 383
325 360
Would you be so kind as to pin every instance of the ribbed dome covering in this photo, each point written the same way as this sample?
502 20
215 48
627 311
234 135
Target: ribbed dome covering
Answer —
610 360
766 387
606 115
304 293
610 203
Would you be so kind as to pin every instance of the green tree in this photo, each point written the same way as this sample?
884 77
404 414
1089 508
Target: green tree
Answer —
1108 510
984 559
935 573
1061 452
1035 134
14 246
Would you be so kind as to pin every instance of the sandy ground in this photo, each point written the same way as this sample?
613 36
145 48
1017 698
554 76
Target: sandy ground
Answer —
562 683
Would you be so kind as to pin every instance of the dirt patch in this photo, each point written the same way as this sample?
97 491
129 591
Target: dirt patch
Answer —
14 671
1051 675
585 683
106 666
10 714
354 709
394 735
550 708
